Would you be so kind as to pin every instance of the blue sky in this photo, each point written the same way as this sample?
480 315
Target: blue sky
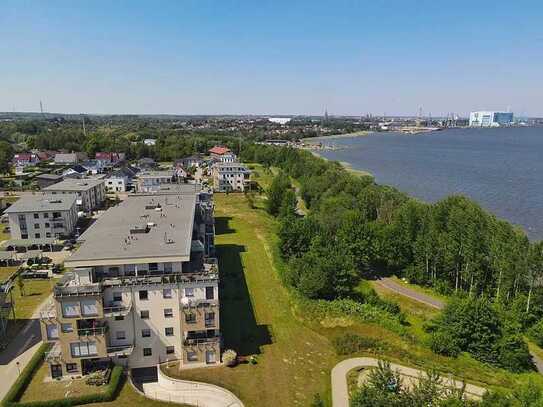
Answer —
271 57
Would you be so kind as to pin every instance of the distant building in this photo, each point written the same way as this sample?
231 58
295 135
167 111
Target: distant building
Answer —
280 120
490 119
222 154
121 179
70 158
24 159
146 163
42 217
149 142
90 192
230 177
151 181
75 171
108 158
196 160
45 180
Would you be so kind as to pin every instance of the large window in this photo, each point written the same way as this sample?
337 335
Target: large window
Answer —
89 307
210 293
144 295
168 313
192 356
145 333
153 266
52 331
79 349
70 309
117 296
190 318
144 314
168 331
189 292
120 335
66 328
147 351
167 293
170 350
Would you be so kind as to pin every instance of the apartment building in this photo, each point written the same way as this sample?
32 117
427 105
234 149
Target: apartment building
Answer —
90 192
222 154
230 176
42 217
143 288
151 181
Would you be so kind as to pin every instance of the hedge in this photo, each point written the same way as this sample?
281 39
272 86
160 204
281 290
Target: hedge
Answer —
17 390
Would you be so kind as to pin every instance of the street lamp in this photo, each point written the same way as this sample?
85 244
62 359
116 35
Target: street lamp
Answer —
18 366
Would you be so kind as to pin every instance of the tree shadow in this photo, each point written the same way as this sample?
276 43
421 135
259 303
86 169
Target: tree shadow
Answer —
222 226
239 327
22 335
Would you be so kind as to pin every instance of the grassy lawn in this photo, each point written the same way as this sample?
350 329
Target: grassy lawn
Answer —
128 397
5 272
43 388
36 291
294 361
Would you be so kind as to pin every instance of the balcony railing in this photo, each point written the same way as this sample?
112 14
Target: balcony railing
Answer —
77 290
55 354
115 310
191 304
120 350
201 341
99 330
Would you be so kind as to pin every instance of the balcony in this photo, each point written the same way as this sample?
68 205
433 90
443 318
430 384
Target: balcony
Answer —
49 312
120 350
116 309
55 354
94 329
77 290
199 304
213 340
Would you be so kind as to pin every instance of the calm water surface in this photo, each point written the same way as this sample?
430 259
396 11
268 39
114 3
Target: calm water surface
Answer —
501 168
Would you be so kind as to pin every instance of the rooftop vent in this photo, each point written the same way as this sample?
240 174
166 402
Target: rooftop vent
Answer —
139 229
153 205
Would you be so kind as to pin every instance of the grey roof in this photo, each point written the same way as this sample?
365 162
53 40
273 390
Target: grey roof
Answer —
156 174
74 185
136 231
174 189
41 203
49 176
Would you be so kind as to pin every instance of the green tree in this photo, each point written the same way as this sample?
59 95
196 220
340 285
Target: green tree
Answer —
6 155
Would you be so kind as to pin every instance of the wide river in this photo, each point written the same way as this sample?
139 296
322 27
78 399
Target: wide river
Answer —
500 168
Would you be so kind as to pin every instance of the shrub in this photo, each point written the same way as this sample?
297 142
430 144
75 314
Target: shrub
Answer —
514 354
229 357
351 343
536 333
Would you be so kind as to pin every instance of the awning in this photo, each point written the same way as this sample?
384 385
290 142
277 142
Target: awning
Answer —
28 242
29 254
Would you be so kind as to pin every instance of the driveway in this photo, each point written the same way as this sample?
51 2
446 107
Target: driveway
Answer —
340 390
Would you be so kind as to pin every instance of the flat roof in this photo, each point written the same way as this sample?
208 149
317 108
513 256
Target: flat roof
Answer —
42 203
141 229
49 176
74 184
156 174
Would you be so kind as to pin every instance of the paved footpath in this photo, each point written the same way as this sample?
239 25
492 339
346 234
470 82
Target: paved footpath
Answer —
21 349
340 391
435 303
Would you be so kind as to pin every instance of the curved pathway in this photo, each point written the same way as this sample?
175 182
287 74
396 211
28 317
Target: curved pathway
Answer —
340 390
189 392
398 288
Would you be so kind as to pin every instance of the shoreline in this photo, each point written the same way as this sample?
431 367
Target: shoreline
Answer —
348 167
315 140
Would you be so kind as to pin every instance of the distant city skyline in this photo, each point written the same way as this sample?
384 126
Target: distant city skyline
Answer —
271 58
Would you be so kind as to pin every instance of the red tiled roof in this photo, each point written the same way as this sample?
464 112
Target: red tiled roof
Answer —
219 150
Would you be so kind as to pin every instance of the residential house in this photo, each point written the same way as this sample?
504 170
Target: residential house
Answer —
222 154
142 290
196 160
146 163
42 217
75 171
108 159
151 181
24 159
151 142
70 158
90 192
120 180
230 176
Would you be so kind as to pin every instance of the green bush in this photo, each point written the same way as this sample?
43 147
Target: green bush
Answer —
351 343
536 333
110 394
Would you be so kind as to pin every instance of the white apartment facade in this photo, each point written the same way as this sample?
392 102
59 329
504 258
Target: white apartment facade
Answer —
42 217
143 290
230 177
152 181
90 192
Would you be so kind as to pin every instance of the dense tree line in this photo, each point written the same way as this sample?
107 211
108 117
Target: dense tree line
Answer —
358 229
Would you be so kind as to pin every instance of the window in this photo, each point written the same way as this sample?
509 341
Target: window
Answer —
37 235
209 318
79 349
144 295
170 350
48 234
71 367
210 293
89 307
192 356
168 331
36 225
119 318
66 328
168 313
147 351
167 293
145 333
24 235
120 335
190 318
70 309
167 267
144 314
189 292
117 296
153 266
52 331
36 216
47 225
46 215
